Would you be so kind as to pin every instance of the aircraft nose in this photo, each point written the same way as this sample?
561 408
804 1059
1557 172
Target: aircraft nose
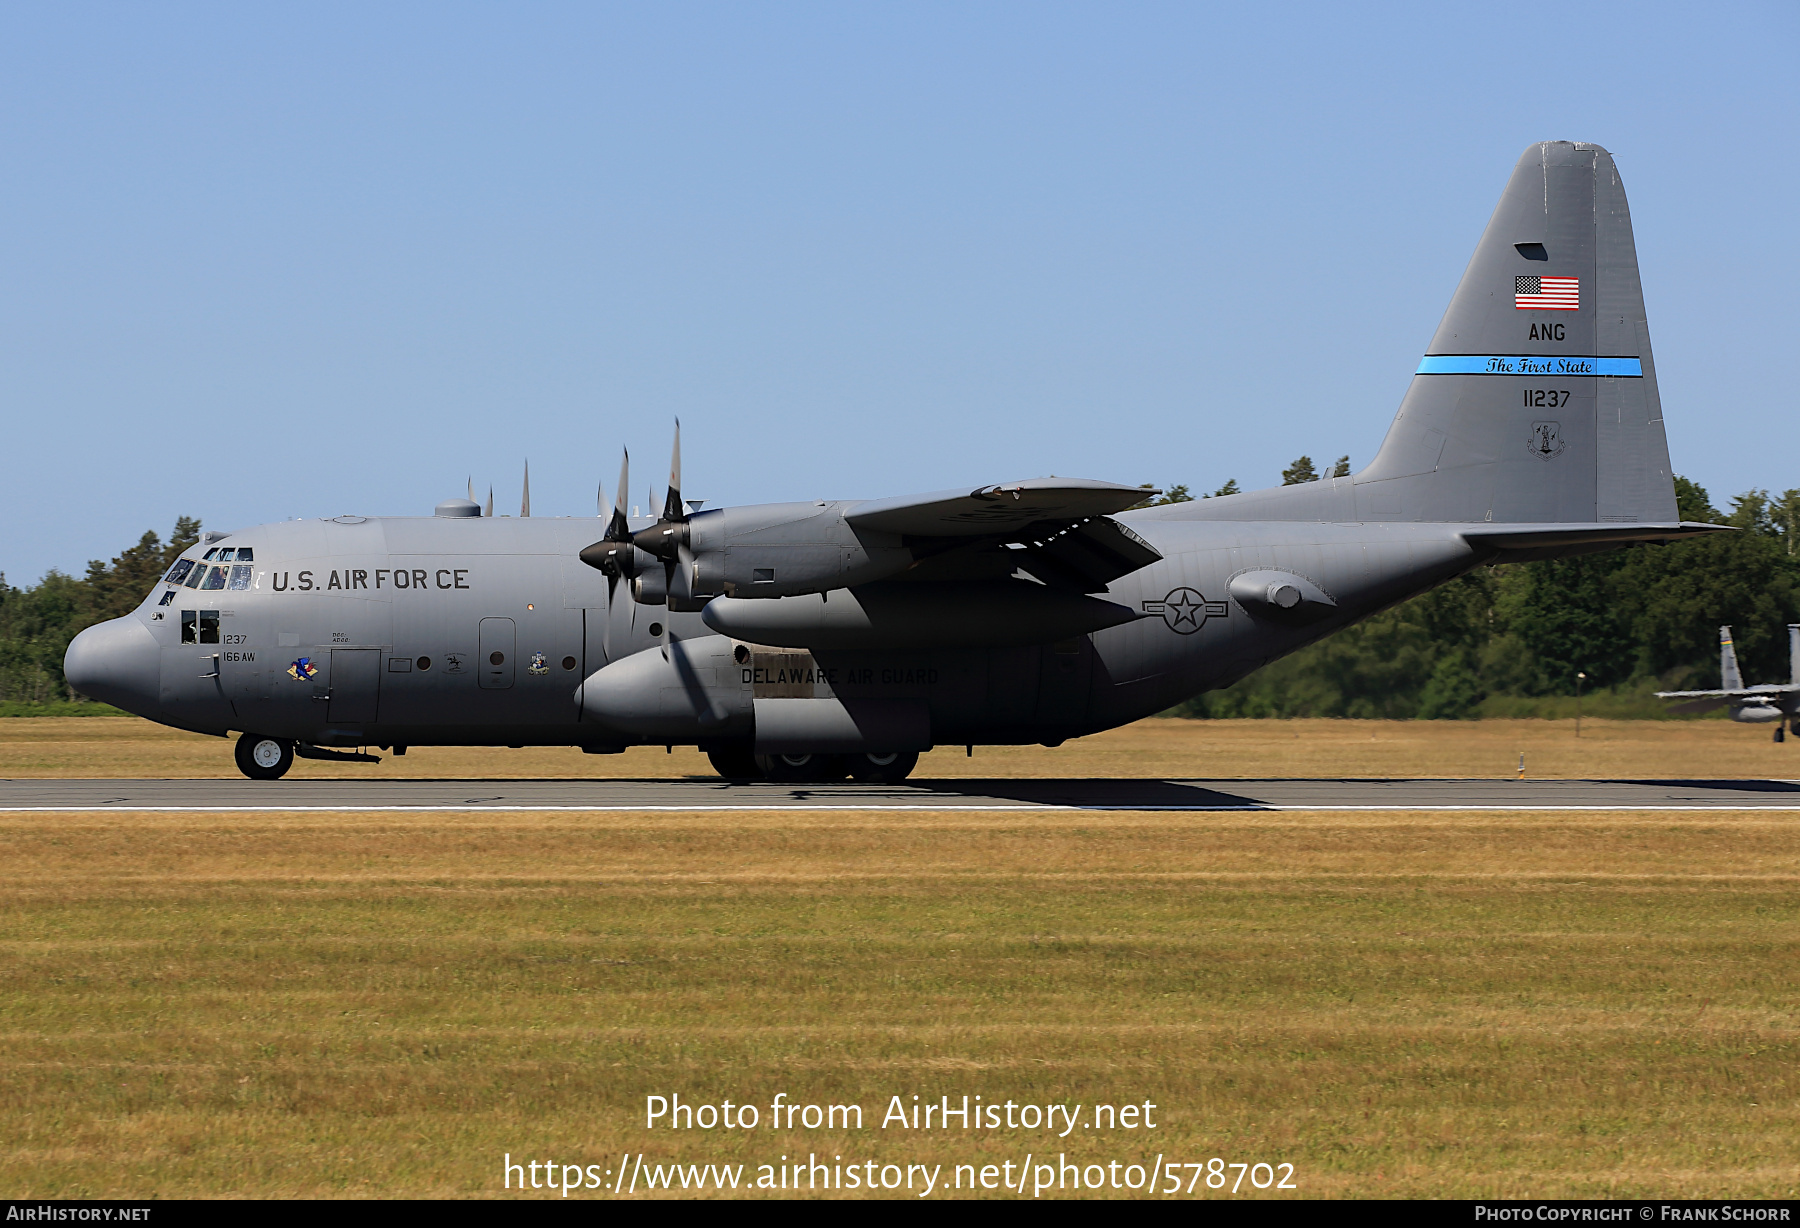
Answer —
116 662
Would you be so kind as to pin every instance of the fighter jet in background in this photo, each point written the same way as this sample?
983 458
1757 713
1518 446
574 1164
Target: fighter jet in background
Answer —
1765 703
814 640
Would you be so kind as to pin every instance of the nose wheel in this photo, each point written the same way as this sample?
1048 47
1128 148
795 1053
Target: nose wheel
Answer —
264 758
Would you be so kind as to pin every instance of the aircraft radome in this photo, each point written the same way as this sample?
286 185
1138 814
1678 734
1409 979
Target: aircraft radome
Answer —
813 641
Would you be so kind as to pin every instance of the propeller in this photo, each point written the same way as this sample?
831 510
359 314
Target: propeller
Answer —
615 554
525 499
489 511
674 511
667 539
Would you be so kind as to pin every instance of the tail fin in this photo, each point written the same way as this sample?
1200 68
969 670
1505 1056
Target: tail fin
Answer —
1536 401
1730 678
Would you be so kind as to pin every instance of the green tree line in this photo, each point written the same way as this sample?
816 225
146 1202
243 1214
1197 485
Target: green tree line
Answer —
1507 640
37 623
1515 639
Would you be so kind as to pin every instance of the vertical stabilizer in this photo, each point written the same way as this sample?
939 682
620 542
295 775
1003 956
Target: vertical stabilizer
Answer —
1536 401
1794 653
1729 677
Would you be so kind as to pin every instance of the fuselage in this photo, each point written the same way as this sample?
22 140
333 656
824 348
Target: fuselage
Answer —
490 630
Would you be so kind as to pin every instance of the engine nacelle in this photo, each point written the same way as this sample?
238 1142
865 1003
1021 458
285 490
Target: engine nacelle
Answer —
901 616
765 550
1756 714
685 691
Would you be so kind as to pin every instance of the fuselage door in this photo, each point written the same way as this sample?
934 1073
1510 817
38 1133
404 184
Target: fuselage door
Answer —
496 658
355 686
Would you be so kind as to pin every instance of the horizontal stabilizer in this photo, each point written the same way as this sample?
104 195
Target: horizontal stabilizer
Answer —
1573 536
994 509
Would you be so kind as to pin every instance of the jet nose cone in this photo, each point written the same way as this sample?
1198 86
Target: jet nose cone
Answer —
116 662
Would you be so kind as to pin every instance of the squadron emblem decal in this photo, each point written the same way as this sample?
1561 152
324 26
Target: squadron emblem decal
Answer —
1186 610
1546 442
538 664
302 670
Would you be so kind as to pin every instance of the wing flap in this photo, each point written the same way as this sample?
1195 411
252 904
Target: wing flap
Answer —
1087 557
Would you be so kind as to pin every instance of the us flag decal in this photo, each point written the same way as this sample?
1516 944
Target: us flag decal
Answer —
1547 293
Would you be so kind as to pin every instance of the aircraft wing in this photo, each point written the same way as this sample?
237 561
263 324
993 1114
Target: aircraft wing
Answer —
988 510
1706 701
1056 530
1761 691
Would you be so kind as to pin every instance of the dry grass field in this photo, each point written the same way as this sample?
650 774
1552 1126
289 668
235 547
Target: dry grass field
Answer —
1397 1004
129 748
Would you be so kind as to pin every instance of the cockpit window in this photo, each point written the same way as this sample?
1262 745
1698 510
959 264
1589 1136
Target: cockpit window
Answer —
178 573
246 554
199 626
215 578
195 576
167 597
210 555
240 577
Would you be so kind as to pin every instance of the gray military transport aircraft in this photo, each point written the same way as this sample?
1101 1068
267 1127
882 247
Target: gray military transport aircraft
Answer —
818 640
1765 703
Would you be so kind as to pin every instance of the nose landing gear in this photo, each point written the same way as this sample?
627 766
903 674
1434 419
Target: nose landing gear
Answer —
264 758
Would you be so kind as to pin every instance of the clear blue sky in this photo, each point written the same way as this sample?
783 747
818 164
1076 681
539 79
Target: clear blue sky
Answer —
273 261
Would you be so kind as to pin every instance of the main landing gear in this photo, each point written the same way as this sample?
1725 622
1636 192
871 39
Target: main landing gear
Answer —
738 763
263 758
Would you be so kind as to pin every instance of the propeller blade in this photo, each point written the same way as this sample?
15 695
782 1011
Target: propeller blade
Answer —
490 502
471 488
617 530
599 498
525 499
674 511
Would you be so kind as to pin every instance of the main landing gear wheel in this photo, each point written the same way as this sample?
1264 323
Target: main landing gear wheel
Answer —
1780 733
888 769
262 758
735 763
804 769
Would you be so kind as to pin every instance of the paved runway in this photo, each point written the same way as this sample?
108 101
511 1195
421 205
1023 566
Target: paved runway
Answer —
708 794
